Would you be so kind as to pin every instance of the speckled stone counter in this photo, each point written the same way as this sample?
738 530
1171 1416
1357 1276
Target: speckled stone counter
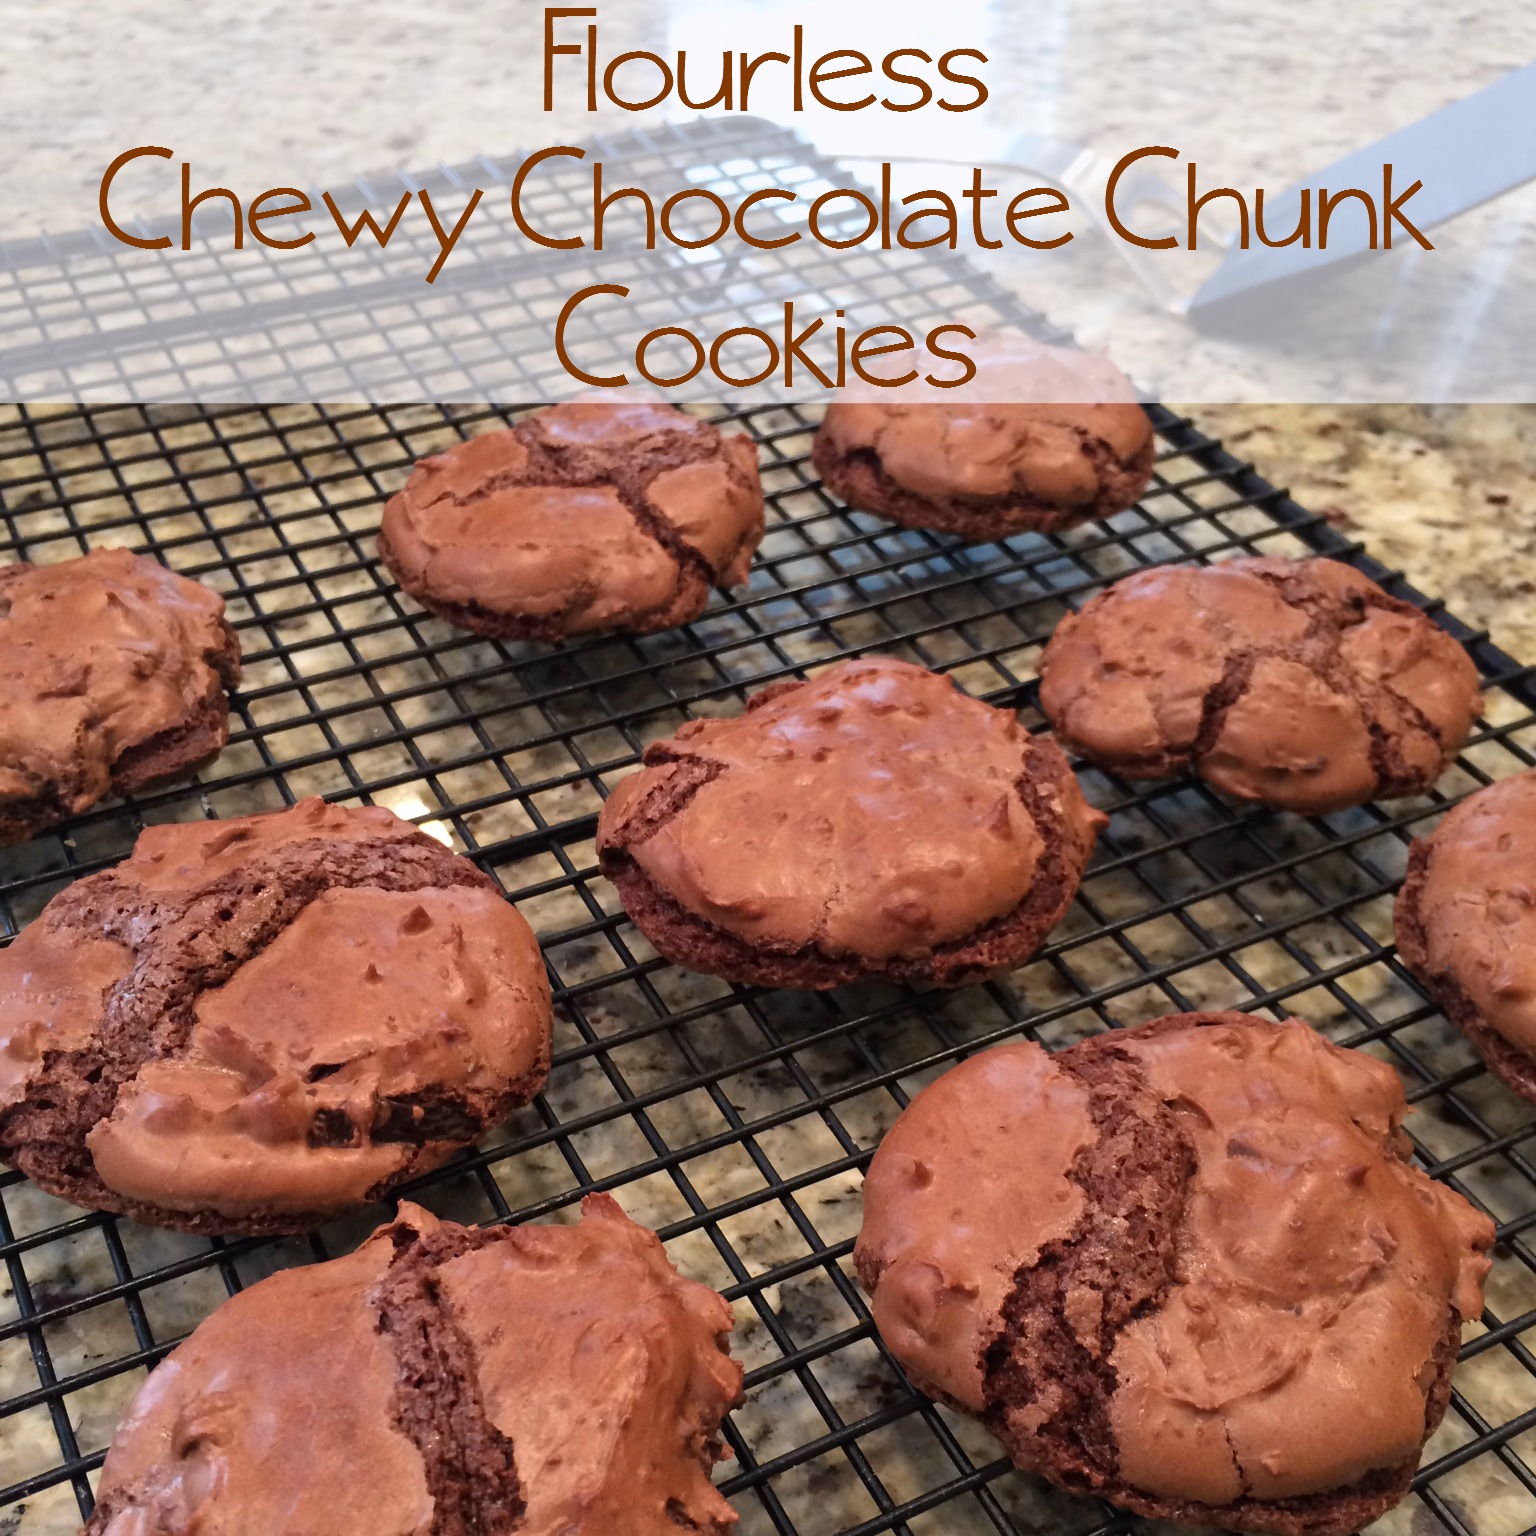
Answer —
1447 493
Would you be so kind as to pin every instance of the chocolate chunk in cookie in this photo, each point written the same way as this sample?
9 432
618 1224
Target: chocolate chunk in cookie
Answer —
113 676
1295 683
1466 924
874 821
441 1381
251 1025
1188 1267
986 471
582 517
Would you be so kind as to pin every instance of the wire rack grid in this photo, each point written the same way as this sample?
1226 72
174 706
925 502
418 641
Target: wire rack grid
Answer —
737 1121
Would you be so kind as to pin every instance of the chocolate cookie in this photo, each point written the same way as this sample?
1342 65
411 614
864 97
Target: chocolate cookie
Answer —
582 517
113 675
1466 924
253 1024
986 471
874 821
1296 683
1187 1267
441 1381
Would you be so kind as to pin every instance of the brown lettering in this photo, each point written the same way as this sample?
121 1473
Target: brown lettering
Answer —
854 196
718 203
1195 204
743 330
650 101
1303 230
300 204
951 357
351 233
900 77
1017 212
446 242
862 349
756 241
662 380
552 49
1327 201
956 78
572 304
162 242
1122 165
1392 207
549 242
190 205
820 73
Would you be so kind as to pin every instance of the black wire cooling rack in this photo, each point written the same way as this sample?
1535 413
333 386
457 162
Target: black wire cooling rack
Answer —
737 1121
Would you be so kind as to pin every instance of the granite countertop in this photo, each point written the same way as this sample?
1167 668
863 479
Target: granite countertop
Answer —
1446 493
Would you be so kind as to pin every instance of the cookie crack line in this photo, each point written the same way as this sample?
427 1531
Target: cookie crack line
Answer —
666 801
1109 466
561 466
1386 740
665 451
575 466
1232 687
1324 613
661 531
492 485
150 1017
1042 804
470 1464
1365 695
1420 719
1221 696
1035 1318
1244 1485
1328 620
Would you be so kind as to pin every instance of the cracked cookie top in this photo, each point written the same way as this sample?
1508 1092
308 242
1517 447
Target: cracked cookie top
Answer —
1466 922
250 1024
582 517
1048 465
113 672
441 1381
874 811
1299 684
1187 1265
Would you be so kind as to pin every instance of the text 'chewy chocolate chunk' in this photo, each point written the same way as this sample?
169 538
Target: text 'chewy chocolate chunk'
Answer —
1296 683
1466 924
582 517
874 821
986 471
114 674
250 1025
1188 1267
441 1381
